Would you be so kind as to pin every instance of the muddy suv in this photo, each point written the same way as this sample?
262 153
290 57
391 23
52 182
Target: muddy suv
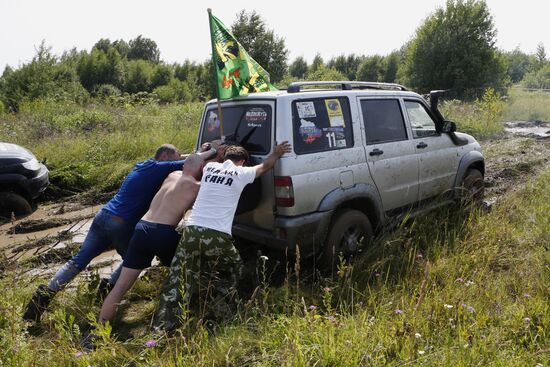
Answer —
363 153
22 179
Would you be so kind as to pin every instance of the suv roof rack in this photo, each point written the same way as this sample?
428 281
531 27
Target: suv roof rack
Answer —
346 85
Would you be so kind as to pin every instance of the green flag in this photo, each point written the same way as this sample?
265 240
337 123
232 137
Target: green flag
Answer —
236 72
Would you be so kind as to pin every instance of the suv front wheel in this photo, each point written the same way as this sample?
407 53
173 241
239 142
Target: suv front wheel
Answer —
349 230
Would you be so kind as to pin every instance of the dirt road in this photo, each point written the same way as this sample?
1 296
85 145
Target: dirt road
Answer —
41 242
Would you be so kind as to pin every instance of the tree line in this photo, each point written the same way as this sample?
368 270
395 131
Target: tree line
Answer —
454 48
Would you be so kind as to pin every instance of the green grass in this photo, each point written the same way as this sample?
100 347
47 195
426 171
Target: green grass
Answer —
96 146
527 106
446 289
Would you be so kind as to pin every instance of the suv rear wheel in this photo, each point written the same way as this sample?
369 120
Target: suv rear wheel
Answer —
349 230
11 202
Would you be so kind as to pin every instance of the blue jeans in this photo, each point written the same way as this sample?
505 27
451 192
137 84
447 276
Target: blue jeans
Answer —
104 234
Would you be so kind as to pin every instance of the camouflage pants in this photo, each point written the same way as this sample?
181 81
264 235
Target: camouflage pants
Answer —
203 276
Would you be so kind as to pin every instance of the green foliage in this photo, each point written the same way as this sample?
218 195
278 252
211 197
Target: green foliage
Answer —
455 49
176 91
2 108
298 68
346 65
518 64
142 48
107 90
371 69
140 75
539 79
527 106
316 64
482 119
262 44
325 73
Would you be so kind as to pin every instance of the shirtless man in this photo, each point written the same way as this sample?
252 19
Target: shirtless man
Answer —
155 234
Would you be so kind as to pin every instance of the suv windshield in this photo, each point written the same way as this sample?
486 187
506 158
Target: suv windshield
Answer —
248 125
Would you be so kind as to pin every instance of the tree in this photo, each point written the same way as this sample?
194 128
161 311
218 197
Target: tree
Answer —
371 69
391 66
518 64
346 65
262 44
316 64
455 49
162 75
298 68
142 48
140 74
540 55
325 73
103 44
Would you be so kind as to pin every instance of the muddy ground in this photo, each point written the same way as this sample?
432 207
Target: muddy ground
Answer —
41 242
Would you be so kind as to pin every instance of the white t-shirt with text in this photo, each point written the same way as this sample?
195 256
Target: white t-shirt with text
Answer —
221 187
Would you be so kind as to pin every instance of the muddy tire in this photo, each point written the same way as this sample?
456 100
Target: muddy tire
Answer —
11 202
472 188
350 229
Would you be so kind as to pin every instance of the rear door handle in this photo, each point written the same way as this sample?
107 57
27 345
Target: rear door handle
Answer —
421 145
376 152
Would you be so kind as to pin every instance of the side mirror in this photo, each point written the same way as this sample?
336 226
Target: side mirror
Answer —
448 127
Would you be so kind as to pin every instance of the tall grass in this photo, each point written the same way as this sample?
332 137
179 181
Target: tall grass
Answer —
525 105
96 146
446 289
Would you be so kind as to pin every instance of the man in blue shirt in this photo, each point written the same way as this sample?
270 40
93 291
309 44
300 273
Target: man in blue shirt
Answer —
112 226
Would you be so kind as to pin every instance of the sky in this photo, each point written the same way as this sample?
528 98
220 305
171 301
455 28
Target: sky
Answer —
180 28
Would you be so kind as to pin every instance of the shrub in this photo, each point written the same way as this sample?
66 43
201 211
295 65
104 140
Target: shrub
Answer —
107 90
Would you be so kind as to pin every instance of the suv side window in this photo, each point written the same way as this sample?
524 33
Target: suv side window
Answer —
422 123
383 120
249 125
321 124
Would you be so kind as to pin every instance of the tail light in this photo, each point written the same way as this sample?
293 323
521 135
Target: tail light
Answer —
284 192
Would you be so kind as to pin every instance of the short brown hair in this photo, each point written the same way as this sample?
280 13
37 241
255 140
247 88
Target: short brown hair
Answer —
236 153
165 148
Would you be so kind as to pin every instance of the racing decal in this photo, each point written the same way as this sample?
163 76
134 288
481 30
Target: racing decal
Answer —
335 114
335 137
309 131
306 110
212 122
255 117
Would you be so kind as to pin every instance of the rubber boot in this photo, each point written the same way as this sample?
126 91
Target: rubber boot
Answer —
38 303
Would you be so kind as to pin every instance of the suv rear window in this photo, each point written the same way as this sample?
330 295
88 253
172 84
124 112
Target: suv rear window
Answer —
321 124
248 125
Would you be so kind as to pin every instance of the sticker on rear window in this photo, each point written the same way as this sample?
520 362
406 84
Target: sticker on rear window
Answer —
335 114
305 109
255 117
309 131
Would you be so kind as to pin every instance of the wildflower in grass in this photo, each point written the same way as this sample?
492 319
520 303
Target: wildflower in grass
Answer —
377 275
527 319
448 306
421 352
469 283
419 256
312 308
264 258
151 343
398 312
78 354
417 335
471 309
526 295
459 280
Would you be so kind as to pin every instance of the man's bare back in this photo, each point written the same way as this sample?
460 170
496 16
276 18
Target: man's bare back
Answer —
177 194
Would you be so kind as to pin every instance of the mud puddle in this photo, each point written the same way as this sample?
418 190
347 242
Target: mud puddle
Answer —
531 129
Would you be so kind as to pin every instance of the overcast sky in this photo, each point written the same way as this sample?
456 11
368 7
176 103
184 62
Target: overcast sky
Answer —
180 28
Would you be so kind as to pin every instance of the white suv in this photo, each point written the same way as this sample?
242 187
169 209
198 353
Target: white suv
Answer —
362 154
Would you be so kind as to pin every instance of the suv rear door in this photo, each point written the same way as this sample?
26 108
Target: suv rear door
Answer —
389 152
249 123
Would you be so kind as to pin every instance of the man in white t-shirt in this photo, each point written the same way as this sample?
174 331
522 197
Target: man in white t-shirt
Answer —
206 263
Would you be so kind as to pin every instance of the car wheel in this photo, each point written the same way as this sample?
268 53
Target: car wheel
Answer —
472 188
11 202
350 229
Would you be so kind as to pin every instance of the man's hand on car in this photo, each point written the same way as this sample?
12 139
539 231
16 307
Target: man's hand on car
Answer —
282 148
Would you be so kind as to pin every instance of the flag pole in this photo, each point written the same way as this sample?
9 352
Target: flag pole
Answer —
215 73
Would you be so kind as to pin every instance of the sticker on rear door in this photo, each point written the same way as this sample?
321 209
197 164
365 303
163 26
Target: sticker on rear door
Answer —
306 110
335 114
309 132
